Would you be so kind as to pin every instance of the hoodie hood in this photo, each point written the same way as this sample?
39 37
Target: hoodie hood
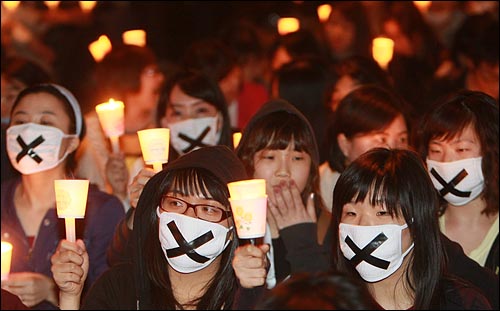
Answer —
219 160
274 106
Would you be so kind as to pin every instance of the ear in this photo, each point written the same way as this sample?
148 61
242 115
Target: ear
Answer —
344 144
73 144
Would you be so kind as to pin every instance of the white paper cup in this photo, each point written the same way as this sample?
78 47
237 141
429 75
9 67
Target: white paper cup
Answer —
71 197
6 259
154 145
249 216
111 117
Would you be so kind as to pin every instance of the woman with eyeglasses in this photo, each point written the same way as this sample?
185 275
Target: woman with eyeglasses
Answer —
184 240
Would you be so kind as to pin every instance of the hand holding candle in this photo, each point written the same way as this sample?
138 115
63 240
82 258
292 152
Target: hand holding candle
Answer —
6 259
111 117
71 201
249 205
154 146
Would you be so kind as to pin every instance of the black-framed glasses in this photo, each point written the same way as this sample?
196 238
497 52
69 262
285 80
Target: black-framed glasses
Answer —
202 211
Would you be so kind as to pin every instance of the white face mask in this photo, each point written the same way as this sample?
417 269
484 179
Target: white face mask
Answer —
34 148
458 182
190 244
376 251
191 134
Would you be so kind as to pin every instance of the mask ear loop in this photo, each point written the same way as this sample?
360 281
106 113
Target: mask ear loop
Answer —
219 124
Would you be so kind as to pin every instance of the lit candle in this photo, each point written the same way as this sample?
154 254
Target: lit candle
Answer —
111 117
134 37
382 51
287 25
11 5
100 48
6 259
52 4
324 12
249 206
71 201
422 6
236 139
87 6
154 145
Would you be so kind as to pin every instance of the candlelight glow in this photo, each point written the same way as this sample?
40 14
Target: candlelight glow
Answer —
6 259
422 6
382 51
288 25
247 189
11 5
236 139
52 4
324 12
111 117
100 48
134 37
87 6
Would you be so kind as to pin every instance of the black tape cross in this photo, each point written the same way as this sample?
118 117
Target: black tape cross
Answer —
188 248
195 142
28 149
450 187
364 254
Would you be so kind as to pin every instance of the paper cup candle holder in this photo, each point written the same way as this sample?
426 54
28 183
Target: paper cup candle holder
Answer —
154 146
111 117
71 202
248 200
6 259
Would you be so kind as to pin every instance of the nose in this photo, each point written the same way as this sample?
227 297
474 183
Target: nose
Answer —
389 143
283 169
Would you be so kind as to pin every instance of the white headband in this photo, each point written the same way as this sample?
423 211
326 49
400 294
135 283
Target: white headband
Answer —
74 104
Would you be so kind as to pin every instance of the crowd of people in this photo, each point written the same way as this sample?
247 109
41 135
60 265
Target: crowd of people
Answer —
381 182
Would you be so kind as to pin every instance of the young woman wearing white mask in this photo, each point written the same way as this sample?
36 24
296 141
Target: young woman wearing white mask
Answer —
183 243
194 109
459 140
46 127
386 232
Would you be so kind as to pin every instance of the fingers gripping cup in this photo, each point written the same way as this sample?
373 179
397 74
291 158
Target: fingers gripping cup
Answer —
248 200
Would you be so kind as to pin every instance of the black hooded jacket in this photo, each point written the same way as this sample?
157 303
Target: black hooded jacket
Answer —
126 285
